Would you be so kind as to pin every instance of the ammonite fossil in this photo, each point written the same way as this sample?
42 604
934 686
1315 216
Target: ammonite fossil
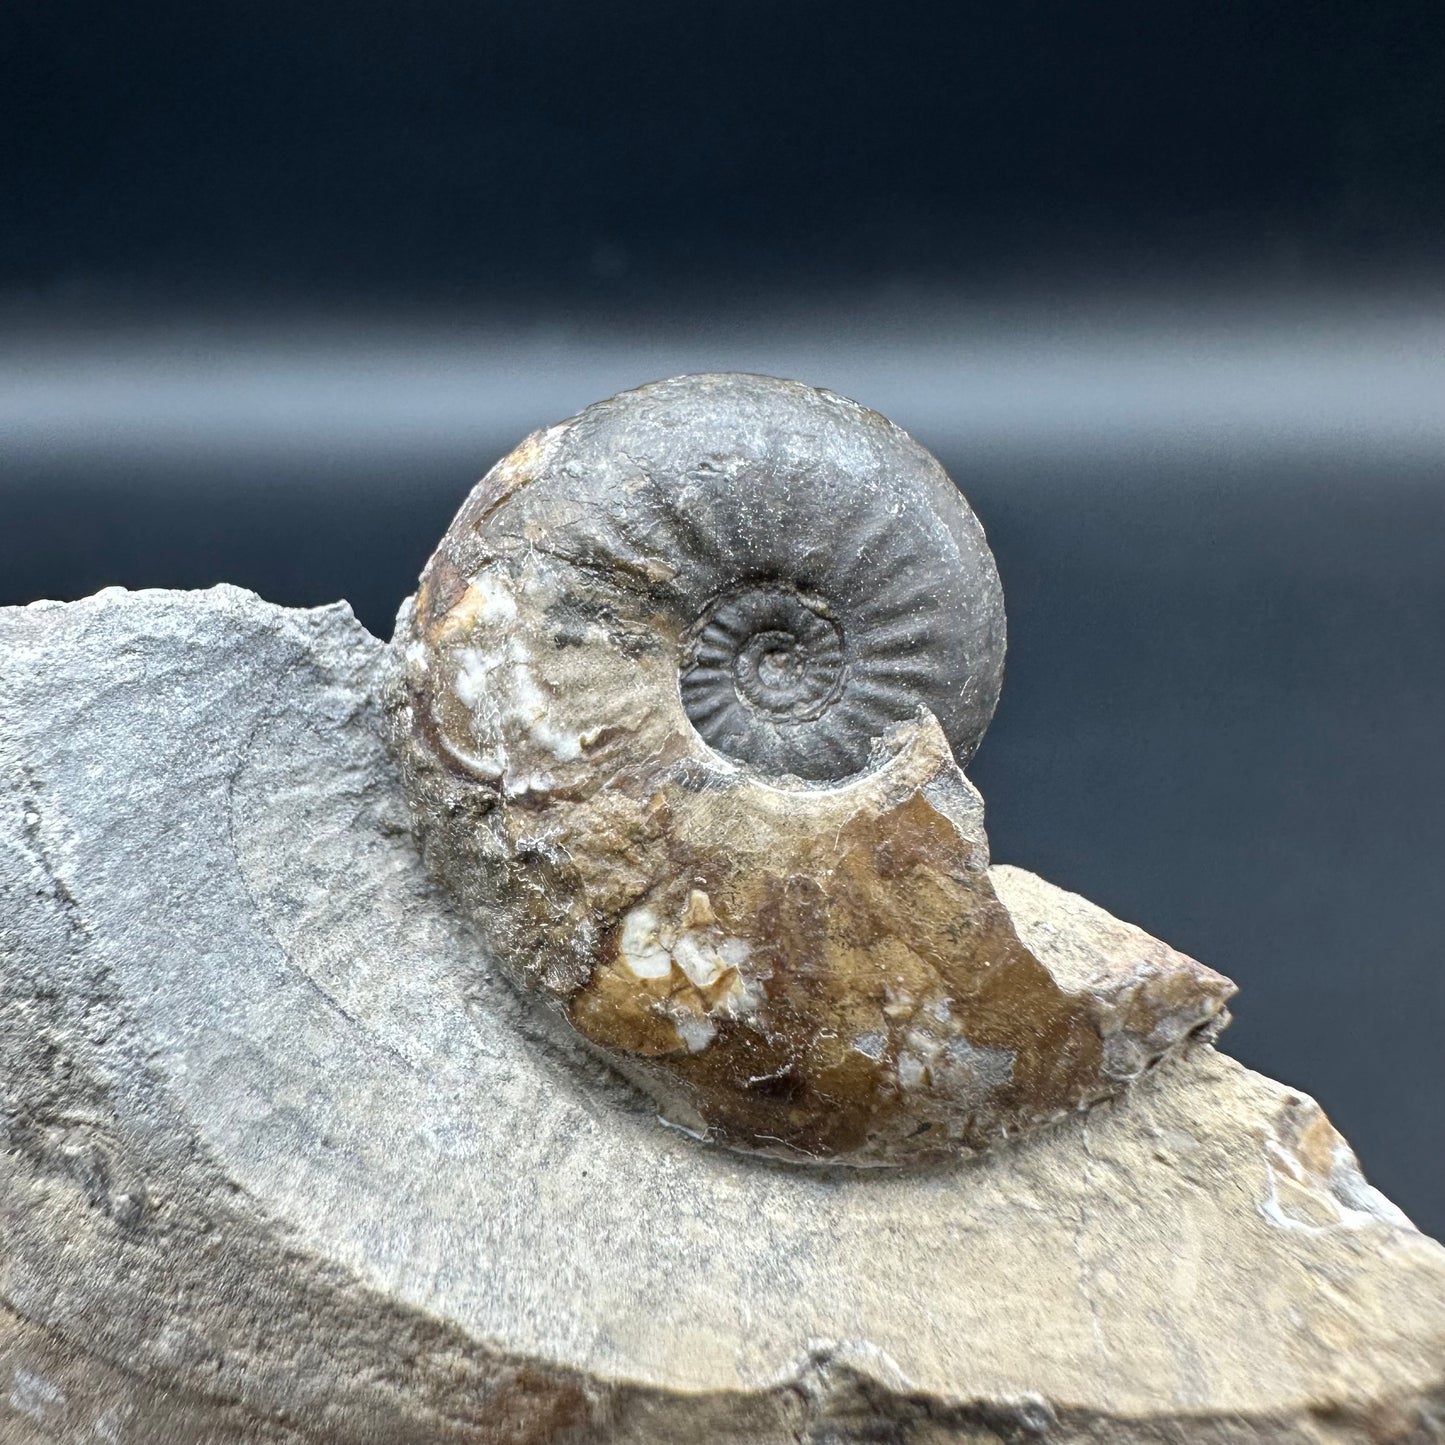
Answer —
681 704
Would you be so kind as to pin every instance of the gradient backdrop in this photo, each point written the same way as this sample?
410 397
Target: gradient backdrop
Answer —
1161 285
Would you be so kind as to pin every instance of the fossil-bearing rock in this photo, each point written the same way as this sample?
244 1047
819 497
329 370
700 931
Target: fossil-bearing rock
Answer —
680 706
286 1162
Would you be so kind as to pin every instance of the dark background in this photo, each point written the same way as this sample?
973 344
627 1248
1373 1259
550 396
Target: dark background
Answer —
1161 284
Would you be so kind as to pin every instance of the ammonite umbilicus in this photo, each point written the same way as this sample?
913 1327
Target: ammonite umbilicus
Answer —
680 706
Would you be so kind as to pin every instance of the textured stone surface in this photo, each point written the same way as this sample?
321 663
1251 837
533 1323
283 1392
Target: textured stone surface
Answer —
642 626
285 1163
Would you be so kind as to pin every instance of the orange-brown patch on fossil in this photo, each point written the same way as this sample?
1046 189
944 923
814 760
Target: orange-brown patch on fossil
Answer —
442 584
448 573
506 478
620 1011
861 941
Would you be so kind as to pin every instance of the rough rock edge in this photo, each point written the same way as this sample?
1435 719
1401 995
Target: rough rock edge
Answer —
823 1402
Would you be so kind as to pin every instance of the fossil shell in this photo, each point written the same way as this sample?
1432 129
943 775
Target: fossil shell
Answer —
680 705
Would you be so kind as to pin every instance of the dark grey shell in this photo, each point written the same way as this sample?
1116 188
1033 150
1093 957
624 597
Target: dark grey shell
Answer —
827 577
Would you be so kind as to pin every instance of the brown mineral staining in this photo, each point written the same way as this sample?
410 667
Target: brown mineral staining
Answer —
766 895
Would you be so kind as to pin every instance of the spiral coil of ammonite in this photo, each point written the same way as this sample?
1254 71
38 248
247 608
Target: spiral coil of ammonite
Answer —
680 707
827 578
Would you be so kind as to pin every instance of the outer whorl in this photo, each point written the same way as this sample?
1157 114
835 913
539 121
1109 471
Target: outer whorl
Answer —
680 706
828 577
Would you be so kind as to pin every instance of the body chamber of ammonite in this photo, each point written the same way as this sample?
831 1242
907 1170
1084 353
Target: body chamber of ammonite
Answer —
680 705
